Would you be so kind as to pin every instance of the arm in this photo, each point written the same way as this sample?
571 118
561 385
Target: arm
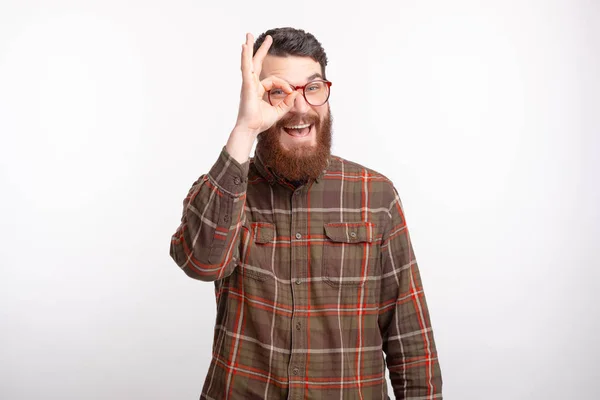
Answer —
206 244
408 341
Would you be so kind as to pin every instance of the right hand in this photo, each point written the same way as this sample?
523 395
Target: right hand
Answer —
256 114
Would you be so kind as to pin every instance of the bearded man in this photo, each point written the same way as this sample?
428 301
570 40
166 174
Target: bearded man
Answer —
316 283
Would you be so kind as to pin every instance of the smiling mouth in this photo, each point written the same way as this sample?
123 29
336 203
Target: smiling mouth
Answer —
298 130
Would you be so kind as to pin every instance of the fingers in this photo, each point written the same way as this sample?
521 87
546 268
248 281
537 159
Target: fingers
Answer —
252 63
247 66
261 53
275 82
286 105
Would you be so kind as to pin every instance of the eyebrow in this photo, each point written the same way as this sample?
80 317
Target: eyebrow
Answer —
313 76
310 78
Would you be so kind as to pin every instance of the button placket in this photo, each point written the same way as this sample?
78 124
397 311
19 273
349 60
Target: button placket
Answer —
298 267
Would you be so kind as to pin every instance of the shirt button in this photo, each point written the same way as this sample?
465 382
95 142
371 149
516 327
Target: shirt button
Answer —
352 234
226 218
298 235
298 325
296 371
236 180
298 281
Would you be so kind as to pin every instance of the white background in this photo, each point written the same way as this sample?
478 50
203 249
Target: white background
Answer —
484 114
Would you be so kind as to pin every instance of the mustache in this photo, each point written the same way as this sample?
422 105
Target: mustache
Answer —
297 120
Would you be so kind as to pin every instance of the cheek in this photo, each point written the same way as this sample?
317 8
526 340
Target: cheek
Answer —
323 111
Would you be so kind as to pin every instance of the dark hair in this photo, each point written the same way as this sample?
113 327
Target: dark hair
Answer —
294 42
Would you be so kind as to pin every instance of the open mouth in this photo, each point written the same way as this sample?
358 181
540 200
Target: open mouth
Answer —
299 131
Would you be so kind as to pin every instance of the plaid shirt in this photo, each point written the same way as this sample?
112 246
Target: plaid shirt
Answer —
313 285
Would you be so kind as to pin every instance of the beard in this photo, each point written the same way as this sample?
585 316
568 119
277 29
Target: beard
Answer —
299 163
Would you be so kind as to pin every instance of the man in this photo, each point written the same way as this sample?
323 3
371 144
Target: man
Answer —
315 277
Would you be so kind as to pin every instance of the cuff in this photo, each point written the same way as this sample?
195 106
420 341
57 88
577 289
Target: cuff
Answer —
230 175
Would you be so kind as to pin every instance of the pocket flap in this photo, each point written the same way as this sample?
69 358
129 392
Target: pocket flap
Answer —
264 232
350 232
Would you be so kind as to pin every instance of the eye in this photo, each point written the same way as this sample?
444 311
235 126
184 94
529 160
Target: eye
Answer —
314 87
277 92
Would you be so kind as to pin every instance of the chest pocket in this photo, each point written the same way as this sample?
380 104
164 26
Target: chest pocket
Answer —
348 253
258 251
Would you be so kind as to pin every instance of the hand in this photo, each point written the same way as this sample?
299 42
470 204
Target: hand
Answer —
255 114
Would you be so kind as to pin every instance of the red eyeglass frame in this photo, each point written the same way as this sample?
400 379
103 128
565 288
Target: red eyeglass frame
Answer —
328 83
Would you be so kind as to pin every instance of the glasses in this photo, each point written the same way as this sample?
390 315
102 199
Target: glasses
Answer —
316 93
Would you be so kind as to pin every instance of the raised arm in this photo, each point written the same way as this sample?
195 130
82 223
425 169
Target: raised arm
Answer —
206 243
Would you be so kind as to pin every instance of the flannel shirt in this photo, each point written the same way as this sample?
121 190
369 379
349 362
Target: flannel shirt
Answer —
317 287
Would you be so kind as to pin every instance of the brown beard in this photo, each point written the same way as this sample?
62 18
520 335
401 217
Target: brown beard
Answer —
299 163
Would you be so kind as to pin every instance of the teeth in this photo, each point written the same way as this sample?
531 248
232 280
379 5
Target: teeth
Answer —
298 126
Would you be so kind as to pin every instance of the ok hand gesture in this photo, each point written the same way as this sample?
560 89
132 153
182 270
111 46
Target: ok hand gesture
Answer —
256 114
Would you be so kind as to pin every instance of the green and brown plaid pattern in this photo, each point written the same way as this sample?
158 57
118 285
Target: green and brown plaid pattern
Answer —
317 287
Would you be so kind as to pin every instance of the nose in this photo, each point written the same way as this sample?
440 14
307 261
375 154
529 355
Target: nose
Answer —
300 104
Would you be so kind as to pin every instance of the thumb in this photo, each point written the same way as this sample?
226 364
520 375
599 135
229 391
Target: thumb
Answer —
286 105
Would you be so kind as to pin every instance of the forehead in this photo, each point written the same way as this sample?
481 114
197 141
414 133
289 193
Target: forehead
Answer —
293 69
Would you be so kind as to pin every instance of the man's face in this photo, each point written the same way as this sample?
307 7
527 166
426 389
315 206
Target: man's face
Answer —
294 152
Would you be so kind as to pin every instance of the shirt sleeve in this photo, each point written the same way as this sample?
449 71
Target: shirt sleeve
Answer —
206 243
408 341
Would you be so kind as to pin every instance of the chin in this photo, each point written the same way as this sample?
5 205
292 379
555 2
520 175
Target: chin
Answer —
300 149
295 144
